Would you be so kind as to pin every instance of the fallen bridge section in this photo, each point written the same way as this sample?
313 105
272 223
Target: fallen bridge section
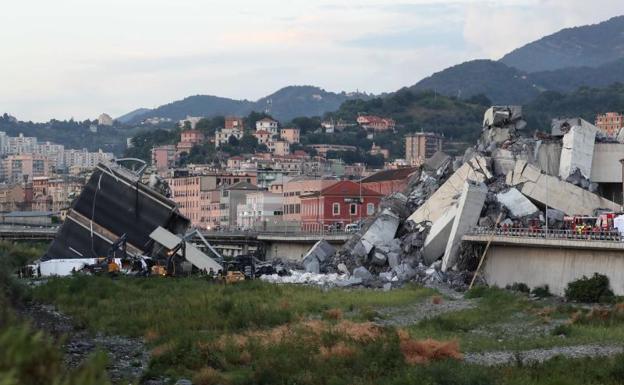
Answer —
555 193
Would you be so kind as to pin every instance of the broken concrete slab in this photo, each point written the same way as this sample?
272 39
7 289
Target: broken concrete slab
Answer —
439 161
499 116
317 256
577 150
393 259
381 231
606 167
518 204
191 253
547 157
476 169
438 236
379 259
468 212
559 127
555 193
362 273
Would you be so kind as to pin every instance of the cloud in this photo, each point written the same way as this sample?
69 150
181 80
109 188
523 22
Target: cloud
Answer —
77 58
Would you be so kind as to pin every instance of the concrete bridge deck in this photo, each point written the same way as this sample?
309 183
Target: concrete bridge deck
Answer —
547 239
553 258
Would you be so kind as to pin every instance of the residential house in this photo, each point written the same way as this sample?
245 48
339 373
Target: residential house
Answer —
280 148
291 135
376 123
223 135
338 205
388 182
164 158
294 188
268 124
190 122
188 139
233 123
264 137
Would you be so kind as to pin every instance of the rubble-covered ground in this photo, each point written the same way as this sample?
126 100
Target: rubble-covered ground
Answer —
202 332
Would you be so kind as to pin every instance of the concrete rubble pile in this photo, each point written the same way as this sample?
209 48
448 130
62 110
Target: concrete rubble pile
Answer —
506 180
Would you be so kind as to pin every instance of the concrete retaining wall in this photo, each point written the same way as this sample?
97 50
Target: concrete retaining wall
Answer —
506 265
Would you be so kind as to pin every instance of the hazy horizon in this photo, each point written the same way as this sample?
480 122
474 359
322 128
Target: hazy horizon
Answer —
68 58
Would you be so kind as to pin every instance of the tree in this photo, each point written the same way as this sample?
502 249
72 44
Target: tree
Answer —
232 141
253 117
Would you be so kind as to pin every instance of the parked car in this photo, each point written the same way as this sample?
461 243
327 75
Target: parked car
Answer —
352 228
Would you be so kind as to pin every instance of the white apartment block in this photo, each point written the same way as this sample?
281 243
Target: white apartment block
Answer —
223 135
269 125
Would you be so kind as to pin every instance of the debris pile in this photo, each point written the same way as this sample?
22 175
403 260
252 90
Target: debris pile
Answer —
505 181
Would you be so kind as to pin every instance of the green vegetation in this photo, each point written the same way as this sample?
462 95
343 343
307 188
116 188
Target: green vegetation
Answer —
590 290
584 102
73 134
258 333
27 356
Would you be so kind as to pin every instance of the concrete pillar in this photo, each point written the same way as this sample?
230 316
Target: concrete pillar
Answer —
468 212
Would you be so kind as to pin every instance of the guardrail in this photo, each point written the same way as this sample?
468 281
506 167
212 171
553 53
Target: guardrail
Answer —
239 233
585 235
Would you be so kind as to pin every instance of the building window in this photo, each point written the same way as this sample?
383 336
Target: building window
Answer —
353 209
370 209
336 209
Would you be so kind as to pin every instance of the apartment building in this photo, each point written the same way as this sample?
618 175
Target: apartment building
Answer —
610 123
291 135
338 205
268 124
421 146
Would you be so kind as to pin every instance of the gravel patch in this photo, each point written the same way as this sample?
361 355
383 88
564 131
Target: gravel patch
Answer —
412 314
540 355
128 358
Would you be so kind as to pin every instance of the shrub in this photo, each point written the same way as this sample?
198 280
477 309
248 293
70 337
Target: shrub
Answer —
436 300
617 371
477 292
594 289
417 352
562 330
519 286
541 291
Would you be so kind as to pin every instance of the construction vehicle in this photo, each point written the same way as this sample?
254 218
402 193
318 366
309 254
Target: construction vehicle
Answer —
109 263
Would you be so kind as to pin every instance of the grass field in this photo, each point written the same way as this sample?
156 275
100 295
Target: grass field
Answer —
258 333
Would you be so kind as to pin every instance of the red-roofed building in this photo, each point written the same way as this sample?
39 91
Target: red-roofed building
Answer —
388 182
376 123
338 205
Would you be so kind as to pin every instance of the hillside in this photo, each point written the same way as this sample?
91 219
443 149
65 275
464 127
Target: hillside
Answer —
125 118
590 46
500 83
285 104
570 79
585 102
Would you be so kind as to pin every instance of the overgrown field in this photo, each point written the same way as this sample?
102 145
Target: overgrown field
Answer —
258 333
28 356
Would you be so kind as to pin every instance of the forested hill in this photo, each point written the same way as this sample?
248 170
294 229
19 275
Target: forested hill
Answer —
285 104
585 46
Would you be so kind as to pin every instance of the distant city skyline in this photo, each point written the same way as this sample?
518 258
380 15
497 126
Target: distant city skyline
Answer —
77 59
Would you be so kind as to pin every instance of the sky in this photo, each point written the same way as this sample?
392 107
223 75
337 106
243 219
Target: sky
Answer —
79 58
